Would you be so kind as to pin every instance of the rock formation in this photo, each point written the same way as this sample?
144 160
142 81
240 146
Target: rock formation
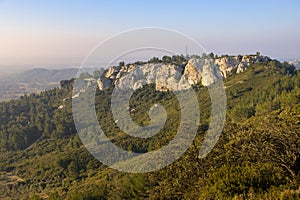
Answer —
196 70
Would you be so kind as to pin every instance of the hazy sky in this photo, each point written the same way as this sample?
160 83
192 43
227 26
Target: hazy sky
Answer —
61 33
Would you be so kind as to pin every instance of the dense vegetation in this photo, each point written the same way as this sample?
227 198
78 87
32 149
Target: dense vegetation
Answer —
256 157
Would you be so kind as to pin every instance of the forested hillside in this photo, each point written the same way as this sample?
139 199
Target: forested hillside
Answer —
256 157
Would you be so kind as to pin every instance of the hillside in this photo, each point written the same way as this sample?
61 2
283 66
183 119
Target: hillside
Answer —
256 157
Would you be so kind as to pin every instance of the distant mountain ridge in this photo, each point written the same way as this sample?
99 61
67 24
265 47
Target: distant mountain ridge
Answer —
42 75
33 81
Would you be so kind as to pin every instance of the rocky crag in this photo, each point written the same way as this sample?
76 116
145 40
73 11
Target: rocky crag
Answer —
194 71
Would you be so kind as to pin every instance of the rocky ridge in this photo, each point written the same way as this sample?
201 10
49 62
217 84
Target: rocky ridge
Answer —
196 70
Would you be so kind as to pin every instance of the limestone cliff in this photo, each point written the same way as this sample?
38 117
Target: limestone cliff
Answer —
232 64
196 70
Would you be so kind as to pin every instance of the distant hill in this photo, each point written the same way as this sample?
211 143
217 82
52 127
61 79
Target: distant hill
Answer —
33 81
42 75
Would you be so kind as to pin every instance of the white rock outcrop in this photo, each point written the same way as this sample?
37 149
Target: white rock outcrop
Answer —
238 64
164 76
171 76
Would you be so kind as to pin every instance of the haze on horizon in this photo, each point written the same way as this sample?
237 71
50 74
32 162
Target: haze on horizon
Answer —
57 34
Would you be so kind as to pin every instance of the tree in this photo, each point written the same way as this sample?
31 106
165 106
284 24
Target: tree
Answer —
121 64
204 55
179 59
73 170
63 162
167 59
154 60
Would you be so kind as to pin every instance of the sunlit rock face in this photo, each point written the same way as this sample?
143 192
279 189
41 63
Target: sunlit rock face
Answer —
165 76
237 64
174 77
202 71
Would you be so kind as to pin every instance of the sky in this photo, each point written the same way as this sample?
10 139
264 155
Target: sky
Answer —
61 33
